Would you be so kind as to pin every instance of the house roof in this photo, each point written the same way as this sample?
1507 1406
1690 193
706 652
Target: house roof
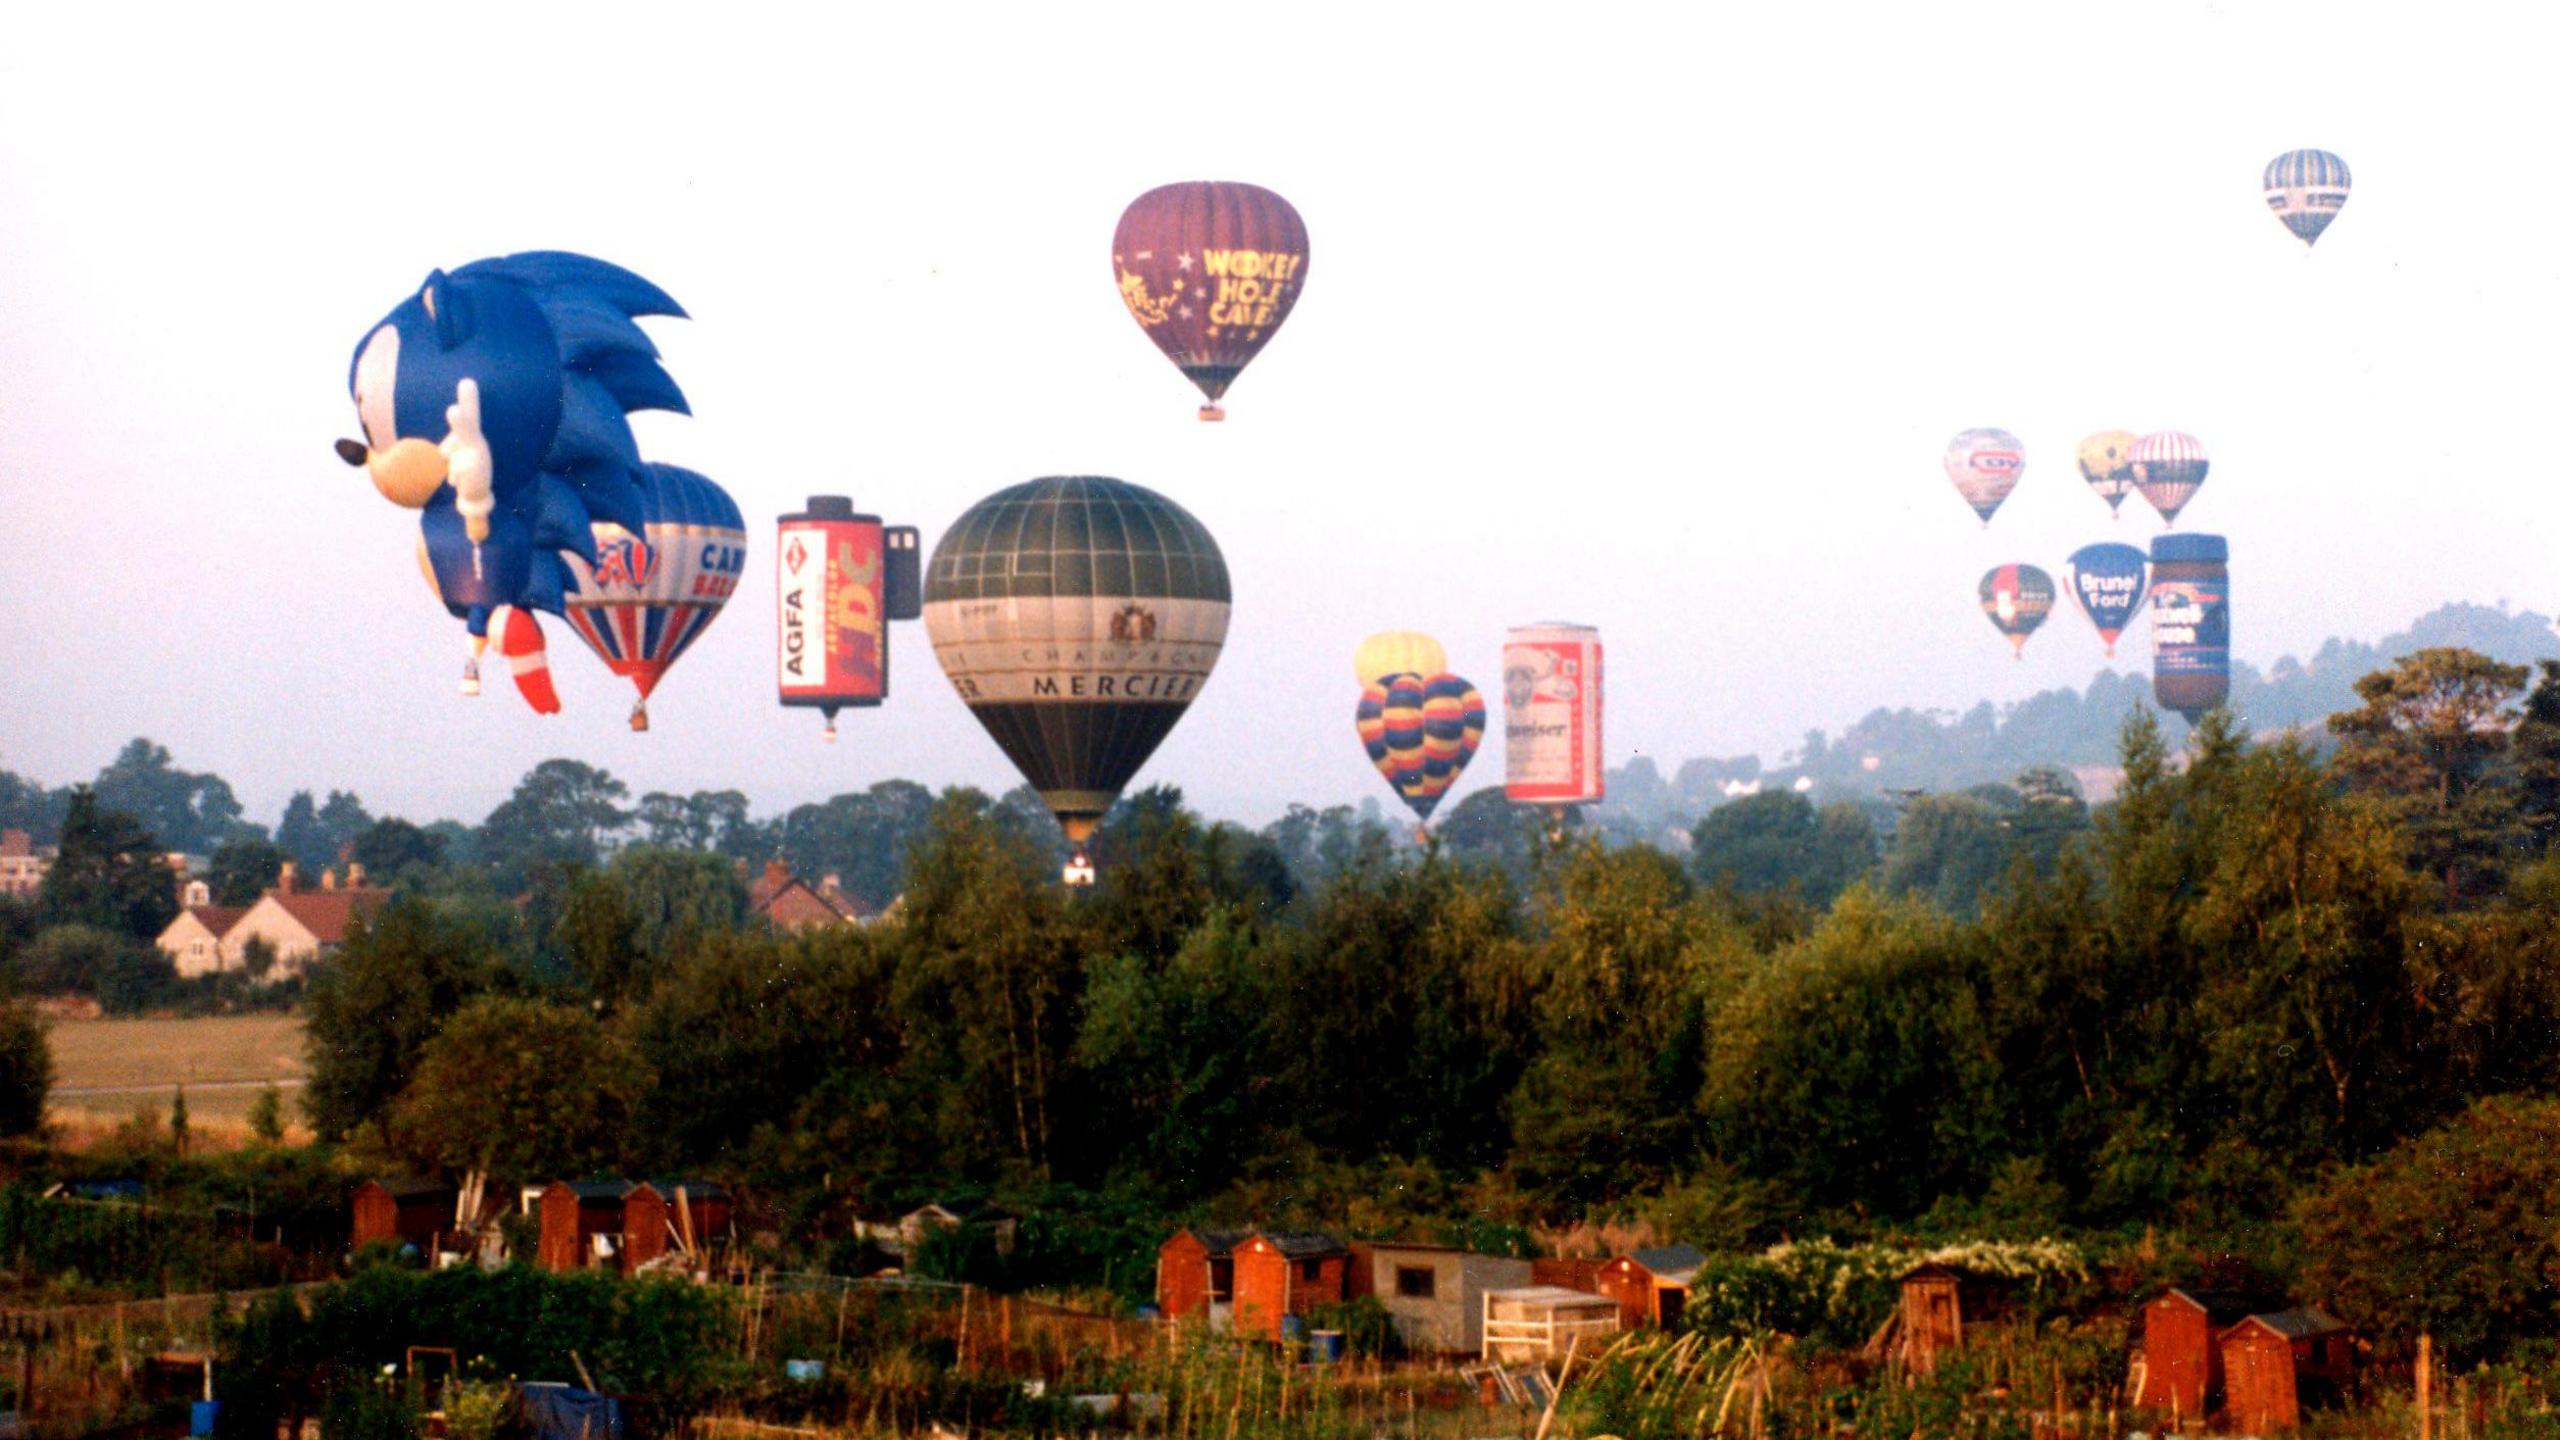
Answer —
791 902
2302 1324
216 919
14 843
1302 1244
1669 1259
330 914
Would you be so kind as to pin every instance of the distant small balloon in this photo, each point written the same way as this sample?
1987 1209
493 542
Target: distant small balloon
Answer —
2168 468
2306 189
1398 652
2107 582
2106 462
1985 465
2017 598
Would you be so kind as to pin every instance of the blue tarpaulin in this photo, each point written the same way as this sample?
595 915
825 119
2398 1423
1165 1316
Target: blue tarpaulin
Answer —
565 1412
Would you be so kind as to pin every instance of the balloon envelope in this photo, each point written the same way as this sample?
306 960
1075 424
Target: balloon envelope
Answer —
1077 616
2017 598
1398 652
1985 465
2306 189
1420 733
2107 583
648 597
2168 468
2106 462
1210 269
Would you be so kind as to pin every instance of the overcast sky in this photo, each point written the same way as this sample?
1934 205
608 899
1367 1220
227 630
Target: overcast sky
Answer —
1658 322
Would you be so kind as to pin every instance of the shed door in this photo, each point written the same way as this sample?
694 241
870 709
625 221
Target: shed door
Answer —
1671 1302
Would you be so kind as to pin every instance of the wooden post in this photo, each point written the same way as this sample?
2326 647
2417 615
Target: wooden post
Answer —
2426 1385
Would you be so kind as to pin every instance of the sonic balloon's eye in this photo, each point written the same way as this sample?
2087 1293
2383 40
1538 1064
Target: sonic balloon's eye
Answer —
352 451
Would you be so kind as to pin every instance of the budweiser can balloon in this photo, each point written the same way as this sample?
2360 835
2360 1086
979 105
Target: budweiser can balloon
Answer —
1551 715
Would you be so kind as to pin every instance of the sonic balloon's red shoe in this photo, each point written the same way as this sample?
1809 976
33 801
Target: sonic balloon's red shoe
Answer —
520 640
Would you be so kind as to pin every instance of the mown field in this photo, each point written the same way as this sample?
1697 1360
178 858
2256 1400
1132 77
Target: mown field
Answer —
106 1070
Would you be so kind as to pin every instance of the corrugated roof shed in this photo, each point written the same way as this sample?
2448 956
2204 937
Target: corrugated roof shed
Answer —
1665 1259
1303 1244
2307 1323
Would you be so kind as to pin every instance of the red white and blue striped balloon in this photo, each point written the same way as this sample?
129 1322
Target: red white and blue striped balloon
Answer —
2306 189
649 597
2168 468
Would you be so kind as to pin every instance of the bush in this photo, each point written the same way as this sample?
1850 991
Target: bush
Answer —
2456 1232
26 1070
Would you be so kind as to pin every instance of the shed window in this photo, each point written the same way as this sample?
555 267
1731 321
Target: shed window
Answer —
1310 1271
1417 1282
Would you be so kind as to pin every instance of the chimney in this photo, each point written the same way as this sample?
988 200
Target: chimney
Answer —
288 875
776 874
328 878
355 874
833 884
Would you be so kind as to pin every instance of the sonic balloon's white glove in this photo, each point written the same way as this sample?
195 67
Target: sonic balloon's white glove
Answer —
466 455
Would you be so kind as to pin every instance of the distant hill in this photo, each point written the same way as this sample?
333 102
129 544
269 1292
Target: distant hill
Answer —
1905 749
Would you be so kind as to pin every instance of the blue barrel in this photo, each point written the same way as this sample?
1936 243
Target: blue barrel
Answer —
201 1415
1325 1347
1292 1327
1150 1312
805 1371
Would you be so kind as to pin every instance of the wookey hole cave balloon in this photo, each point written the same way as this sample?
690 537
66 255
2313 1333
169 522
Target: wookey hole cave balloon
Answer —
1210 270
2016 598
1985 465
1077 616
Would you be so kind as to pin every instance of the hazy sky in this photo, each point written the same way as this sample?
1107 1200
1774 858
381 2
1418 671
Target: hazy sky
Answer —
1656 318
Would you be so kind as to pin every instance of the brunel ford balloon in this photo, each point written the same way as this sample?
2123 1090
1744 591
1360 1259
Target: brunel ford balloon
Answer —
1210 269
1077 616
2190 623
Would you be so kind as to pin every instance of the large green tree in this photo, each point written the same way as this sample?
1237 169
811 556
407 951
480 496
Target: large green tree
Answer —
187 811
560 816
240 870
521 1088
110 872
1776 842
374 1006
26 1068
2431 743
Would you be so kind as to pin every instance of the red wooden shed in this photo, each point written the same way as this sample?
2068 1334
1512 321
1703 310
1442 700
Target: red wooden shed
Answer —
1651 1286
2274 1365
624 1224
401 1212
1281 1273
2182 1351
1196 1274
1938 1302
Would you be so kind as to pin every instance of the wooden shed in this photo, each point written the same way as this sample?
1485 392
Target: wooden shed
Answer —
1542 1322
1938 1302
2181 1349
1566 1274
1651 1286
624 1224
1279 1273
1434 1294
401 1212
1196 1275
2275 1365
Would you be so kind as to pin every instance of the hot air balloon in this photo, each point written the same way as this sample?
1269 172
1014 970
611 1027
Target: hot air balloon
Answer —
839 579
1420 733
2190 623
2017 598
1985 465
1077 616
2168 468
1551 750
2107 582
1210 269
648 597
2306 189
2106 462
493 402
1398 652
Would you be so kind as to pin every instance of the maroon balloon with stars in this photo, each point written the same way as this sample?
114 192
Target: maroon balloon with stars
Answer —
1210 269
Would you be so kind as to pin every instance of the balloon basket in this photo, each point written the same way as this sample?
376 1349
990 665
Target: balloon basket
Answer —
1079 872
470 677
829 734
1213 413
640 719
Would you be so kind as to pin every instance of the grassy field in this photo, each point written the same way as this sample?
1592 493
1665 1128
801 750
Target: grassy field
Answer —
105 1070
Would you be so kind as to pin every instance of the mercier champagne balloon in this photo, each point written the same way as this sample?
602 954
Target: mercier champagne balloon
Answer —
649 596
1077 616
2306 189
1210 269
2017 598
